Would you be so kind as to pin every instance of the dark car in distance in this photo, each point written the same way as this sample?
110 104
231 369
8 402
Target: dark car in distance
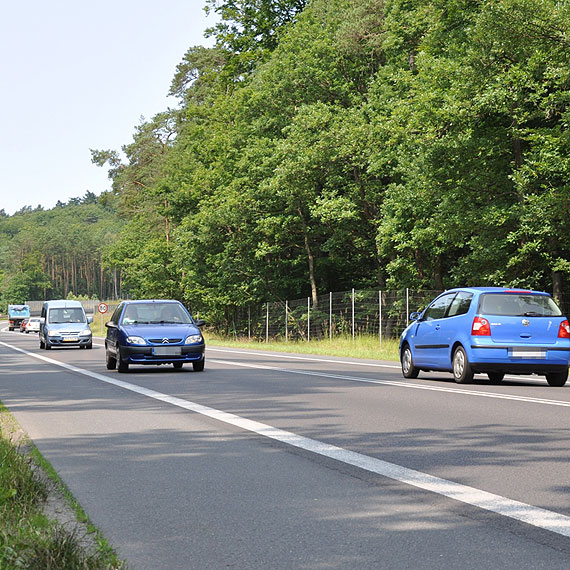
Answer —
153 332
491 330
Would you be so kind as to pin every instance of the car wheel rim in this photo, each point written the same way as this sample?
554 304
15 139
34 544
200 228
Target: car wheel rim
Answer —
407 360
458 364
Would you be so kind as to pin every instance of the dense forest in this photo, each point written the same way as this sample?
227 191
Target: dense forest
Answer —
321 145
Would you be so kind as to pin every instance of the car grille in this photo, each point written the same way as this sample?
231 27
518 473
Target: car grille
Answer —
162 340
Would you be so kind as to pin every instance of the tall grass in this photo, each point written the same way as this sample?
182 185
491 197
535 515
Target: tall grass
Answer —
28 538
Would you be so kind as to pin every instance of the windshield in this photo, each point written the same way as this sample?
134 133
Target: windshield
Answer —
155 313
518 305
66 315
19 310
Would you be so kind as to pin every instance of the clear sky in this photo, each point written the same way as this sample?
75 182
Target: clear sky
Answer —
79 75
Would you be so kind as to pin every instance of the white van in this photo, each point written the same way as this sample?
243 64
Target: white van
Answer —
64 323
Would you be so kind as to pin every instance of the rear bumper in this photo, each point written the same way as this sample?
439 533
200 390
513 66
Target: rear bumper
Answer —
498 359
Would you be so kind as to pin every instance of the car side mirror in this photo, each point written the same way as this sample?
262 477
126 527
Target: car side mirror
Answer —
200 322
42 320
415 316
110 325
89 319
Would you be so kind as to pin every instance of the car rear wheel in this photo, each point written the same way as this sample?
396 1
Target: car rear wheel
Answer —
408 368
495 377
462 372
42 344
557 378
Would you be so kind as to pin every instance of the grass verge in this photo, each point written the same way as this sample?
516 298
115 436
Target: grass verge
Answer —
30 538
359 347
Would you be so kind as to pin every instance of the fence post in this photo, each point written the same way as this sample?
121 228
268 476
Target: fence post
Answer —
249 322
353 313
267 324
330 315
407 306
286 320
308 319
380 316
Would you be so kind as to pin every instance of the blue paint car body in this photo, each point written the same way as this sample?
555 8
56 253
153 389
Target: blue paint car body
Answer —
153 332
492 330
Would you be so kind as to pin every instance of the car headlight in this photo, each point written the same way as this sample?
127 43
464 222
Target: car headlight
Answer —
135 340
86 332
193 339
53 333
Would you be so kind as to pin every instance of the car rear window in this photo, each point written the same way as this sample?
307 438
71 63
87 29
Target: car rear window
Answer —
518 305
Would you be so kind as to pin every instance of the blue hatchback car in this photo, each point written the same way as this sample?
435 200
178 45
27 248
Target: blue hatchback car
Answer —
153 332
492 330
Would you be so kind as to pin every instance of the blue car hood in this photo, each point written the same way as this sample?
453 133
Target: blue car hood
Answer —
161 331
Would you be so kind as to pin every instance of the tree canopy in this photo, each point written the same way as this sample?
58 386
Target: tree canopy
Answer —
328 144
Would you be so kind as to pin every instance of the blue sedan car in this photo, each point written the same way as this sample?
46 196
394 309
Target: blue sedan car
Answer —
492 330
153 332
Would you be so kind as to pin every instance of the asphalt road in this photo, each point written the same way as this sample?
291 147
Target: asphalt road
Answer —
272 461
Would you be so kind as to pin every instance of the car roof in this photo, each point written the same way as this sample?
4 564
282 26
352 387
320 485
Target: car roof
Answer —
63 303
151 301
497 290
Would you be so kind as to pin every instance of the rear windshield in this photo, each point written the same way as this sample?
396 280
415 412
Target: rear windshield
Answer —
518 305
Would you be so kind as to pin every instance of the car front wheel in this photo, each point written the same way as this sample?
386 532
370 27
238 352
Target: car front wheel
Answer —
199 366
408 368
462 372
111 361
122 366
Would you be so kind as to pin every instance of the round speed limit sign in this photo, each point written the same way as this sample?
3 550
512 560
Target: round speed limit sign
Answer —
102 308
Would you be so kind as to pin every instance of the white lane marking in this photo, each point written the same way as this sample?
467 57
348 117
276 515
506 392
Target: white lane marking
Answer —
535 516
350 362
400 384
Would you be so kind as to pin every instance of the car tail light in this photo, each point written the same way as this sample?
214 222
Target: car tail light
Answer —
480 327
564 329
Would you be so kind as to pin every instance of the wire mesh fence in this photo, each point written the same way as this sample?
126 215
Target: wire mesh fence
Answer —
383 314
348 313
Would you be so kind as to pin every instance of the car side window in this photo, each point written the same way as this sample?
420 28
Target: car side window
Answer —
460 304
438 309
117 314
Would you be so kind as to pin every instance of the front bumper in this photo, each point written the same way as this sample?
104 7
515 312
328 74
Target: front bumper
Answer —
69 341
148 354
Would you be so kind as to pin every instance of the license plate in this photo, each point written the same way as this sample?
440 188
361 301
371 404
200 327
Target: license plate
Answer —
527 352
69 339
167 351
